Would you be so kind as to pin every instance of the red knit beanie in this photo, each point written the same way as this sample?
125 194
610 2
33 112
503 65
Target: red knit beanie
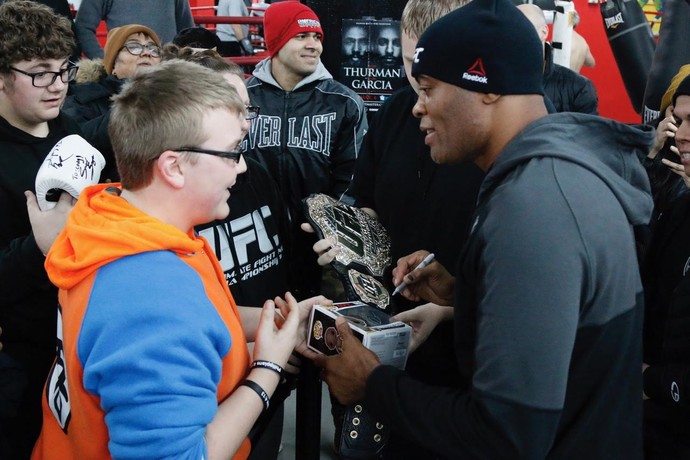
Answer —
284 20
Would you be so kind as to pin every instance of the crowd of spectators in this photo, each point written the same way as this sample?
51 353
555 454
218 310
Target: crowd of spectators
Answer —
177 291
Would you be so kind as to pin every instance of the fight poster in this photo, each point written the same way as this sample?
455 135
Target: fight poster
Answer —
371 59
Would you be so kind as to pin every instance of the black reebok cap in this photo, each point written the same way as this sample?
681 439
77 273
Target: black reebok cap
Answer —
487 46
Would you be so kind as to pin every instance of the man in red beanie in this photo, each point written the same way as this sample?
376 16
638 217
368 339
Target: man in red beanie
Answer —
310 128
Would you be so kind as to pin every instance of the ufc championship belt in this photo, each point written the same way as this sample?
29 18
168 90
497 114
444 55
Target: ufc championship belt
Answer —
364 247
364 255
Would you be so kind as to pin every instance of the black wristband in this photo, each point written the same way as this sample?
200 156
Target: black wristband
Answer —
268 365
258 390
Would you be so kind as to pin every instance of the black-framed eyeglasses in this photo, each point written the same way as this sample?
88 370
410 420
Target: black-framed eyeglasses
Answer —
136 49
252 112
231 155
45 78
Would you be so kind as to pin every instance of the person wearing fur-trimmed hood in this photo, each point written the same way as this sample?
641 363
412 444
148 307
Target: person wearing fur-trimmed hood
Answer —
128 49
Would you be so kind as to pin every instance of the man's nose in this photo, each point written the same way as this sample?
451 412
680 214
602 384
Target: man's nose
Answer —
419 109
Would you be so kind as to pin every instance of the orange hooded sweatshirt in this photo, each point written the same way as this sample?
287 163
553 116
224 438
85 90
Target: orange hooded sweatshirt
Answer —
149 337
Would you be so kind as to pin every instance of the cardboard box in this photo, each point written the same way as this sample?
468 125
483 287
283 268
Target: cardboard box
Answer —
369 324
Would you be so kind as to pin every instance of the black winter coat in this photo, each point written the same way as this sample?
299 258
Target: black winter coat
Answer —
89 104
90 100
568 90
666 274
28 301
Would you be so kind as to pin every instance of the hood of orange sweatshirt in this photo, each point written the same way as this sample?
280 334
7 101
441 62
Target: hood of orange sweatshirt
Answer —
104 227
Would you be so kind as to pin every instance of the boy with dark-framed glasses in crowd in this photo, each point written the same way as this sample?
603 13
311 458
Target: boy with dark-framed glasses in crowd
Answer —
35 45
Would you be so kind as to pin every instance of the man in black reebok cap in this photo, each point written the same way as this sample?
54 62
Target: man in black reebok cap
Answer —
547 295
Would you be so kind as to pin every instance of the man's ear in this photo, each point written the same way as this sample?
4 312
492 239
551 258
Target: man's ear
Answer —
169 167
544 33
490 98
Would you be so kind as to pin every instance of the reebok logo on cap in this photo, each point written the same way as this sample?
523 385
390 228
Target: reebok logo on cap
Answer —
476 73
417 52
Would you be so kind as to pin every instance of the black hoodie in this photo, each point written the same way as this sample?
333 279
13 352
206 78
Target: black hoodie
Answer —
28 301
548 305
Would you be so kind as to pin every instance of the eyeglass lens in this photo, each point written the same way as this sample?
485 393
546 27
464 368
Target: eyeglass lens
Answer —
137 48
252 112
47 78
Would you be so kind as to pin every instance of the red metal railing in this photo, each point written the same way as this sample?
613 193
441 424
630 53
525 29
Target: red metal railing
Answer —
199 20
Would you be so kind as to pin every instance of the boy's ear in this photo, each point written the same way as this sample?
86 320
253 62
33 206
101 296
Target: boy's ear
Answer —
168 167
4 80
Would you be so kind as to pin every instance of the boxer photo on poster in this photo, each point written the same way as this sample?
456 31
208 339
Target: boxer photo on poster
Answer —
371 61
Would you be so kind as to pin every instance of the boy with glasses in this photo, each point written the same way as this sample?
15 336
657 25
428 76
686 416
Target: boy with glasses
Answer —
152 353
251 242
35 45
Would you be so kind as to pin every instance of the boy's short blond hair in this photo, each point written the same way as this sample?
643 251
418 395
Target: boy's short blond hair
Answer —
163 109
419 14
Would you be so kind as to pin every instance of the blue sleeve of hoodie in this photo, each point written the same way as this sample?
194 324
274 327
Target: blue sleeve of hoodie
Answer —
151 346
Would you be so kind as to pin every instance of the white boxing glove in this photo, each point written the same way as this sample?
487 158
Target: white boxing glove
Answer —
71 165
